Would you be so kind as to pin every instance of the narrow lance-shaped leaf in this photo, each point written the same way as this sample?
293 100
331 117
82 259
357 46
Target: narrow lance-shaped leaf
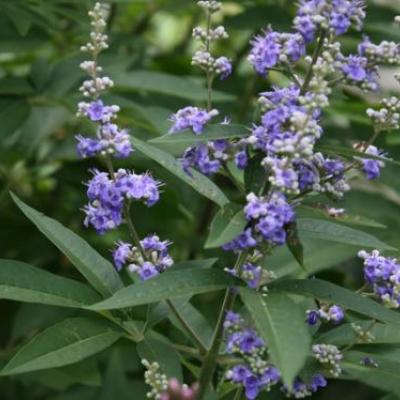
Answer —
255 176
162 353
65 343
326 230
22 282
198 182
210 132
331 293
294 243
98 271
168 286
282 325
226 225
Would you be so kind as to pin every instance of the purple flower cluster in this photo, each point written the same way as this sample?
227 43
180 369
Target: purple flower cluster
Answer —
333 313
191 117
154 261
208 158
107 196
253 372
383 274
268 218
272 49
329 356
300 389
335 15
251 273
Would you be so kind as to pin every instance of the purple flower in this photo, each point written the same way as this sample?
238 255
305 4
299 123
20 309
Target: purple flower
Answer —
336 313
121 254
239 373
312 317
147 271
95 110
371 167
317 381
191 117
223 67
355 68
252 385
88 147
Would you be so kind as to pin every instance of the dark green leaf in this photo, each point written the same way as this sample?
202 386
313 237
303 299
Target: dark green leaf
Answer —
13 114
166 84
228 223
164 354
294 243
66 343
327 230
331 293
98 271
255 175
168 286
22 282
198 182
281 323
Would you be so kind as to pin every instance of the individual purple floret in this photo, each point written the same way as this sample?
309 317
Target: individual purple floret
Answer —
371 167
191 117
383 274
355 68
223 67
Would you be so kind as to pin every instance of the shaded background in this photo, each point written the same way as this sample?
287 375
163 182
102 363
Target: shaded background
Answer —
149 58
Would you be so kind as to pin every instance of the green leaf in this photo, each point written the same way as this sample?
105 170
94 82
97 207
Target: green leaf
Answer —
331 293
198 182
349 152
13 114
294 243
166 84
168 286
326 230
22 282
98 271
281 323
227 225
255 175
66 343
211 132
384 377
344 334
196 264
350 219
164 354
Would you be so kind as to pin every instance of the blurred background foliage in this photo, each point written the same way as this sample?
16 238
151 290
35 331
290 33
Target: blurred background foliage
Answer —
149 59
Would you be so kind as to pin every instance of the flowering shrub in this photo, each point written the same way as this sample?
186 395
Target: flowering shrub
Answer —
288 334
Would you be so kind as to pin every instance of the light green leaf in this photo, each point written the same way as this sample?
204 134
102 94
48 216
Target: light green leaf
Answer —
68 342
166 84
345 334
164 354
13 114
211 132
281 323
167 286
326 230
198 182
97 270
22 282
227 225
331 293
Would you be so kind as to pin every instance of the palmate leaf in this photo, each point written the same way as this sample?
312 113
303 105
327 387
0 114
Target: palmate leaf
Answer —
345 334
65 343
210 132
326 230
97 270
198 182
169 285
280 321
331 293
22 282
227 224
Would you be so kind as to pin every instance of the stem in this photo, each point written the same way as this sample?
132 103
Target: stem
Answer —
209 75
200 345
317 53
238 394
211 358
